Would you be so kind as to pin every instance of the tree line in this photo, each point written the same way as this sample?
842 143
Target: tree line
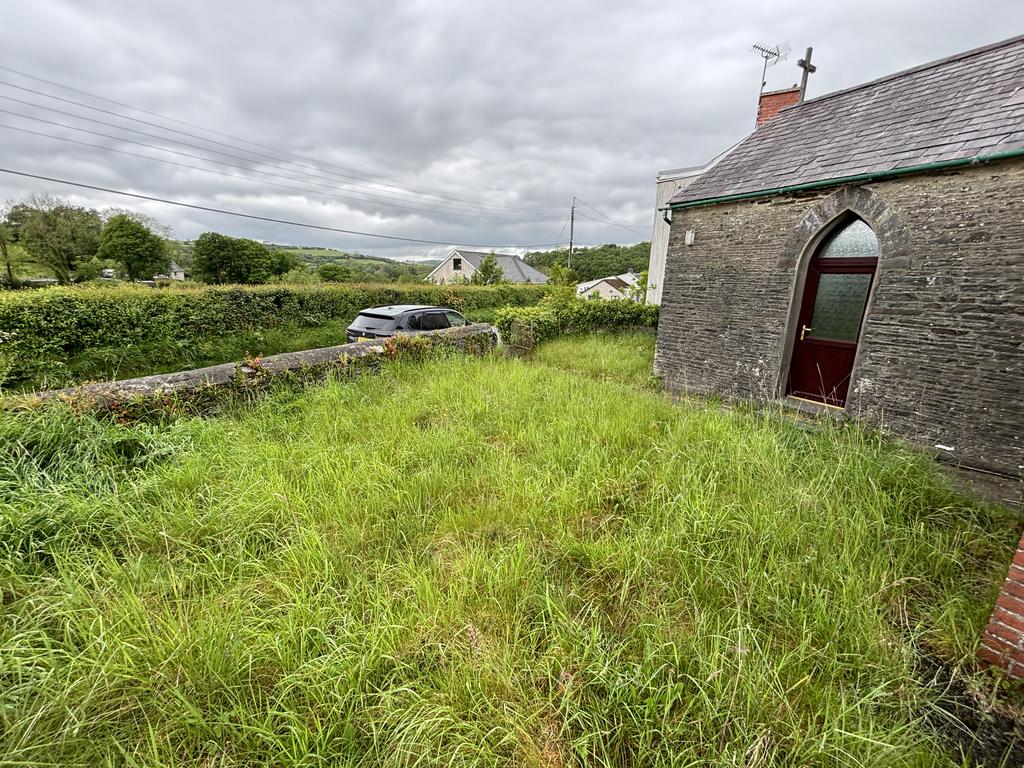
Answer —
592 263
77 244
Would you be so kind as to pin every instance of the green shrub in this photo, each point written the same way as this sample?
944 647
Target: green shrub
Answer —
559 315
49 327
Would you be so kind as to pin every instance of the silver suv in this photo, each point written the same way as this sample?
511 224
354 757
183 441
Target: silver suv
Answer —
382 322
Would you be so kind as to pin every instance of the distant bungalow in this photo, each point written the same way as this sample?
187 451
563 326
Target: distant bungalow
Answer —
462 264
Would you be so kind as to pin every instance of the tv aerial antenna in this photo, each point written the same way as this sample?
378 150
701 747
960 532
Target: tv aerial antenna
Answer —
772 55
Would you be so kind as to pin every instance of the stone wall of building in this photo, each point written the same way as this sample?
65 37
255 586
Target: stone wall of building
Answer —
941 356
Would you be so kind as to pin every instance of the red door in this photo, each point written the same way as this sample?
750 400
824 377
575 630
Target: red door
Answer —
836 291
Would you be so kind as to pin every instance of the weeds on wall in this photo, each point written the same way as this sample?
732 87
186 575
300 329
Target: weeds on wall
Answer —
253 379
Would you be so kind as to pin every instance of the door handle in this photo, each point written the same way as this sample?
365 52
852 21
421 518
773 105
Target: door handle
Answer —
804 330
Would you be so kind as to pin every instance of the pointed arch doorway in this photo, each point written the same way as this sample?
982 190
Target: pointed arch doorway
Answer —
835 297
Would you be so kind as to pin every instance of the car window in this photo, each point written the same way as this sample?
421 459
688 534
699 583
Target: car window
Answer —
455 319
369 322
413 323
432 321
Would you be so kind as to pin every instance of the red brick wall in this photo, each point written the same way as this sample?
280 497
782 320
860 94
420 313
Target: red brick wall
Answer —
1002 643
773 102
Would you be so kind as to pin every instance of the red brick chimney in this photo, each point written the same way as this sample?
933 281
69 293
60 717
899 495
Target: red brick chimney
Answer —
773 102
1002 643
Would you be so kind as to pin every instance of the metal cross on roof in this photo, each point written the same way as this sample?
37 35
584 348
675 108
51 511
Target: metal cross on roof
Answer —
808 68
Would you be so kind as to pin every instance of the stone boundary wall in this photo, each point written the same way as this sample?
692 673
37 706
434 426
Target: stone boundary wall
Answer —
1002 643
305 365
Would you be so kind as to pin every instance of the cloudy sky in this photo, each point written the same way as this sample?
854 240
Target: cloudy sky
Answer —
459 121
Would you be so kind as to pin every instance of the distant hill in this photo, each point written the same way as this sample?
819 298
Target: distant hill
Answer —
597 261
359 267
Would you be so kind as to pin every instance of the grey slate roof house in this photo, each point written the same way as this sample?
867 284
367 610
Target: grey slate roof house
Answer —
462 264
863 253
611 287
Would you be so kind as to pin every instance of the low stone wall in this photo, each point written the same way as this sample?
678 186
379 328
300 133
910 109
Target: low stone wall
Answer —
197 389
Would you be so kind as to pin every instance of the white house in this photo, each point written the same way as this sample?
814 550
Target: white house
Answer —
174 272
462 264
613 287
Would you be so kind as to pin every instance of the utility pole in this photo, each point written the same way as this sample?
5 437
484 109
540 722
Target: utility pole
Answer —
808 68
572 223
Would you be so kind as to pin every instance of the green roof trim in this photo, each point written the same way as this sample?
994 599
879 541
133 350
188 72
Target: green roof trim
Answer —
858 178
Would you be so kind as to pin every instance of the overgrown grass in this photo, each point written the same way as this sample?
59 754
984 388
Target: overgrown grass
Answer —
626 357
478 562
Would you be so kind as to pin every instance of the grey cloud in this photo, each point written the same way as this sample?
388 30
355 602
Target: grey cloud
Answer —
515 105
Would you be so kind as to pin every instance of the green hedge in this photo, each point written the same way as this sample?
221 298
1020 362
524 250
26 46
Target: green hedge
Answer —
557 317
58 323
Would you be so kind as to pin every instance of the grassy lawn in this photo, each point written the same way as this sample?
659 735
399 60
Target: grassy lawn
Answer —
621 357
23 265
479 562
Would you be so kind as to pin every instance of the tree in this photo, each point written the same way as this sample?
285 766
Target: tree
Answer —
90 269
300 275
590 263
57 234
488 273
7 236
638 292
559 275
334 273
153 225
280 261
138 250
218 258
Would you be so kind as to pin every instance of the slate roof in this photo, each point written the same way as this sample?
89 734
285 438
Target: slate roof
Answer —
961 107
513 267
619 282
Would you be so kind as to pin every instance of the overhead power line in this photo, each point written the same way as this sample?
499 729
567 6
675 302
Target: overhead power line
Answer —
308 162
257 217
426 205
637 231
304 190
609 219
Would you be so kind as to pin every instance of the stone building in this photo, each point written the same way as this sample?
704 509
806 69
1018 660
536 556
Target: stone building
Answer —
669 183
863 251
